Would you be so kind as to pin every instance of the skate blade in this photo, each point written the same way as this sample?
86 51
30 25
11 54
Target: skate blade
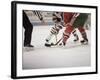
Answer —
85 43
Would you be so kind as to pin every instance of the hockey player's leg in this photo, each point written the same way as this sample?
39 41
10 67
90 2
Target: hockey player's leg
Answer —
84 35
66 34
28 31
53 32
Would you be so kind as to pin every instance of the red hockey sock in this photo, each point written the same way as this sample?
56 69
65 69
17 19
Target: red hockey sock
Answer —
81 29
67 33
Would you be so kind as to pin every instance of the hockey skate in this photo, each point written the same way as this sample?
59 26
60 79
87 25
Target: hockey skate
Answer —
28 47
76 36
77 39
84 41
62 44
47 44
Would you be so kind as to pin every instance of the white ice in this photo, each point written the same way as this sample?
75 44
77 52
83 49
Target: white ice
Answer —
72 55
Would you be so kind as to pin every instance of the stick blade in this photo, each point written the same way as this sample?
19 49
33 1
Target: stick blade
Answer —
47 45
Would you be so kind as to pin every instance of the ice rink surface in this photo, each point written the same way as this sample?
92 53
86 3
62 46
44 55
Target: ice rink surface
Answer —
72 55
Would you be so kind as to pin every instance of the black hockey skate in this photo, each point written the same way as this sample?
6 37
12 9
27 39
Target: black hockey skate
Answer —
28 47
85 41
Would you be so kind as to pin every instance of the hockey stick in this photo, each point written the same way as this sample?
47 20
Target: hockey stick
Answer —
56 38
57 42
72 21
52 44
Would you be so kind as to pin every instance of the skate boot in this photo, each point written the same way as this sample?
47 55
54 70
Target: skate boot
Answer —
28 47
84 41
77 39
75 35
62 44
